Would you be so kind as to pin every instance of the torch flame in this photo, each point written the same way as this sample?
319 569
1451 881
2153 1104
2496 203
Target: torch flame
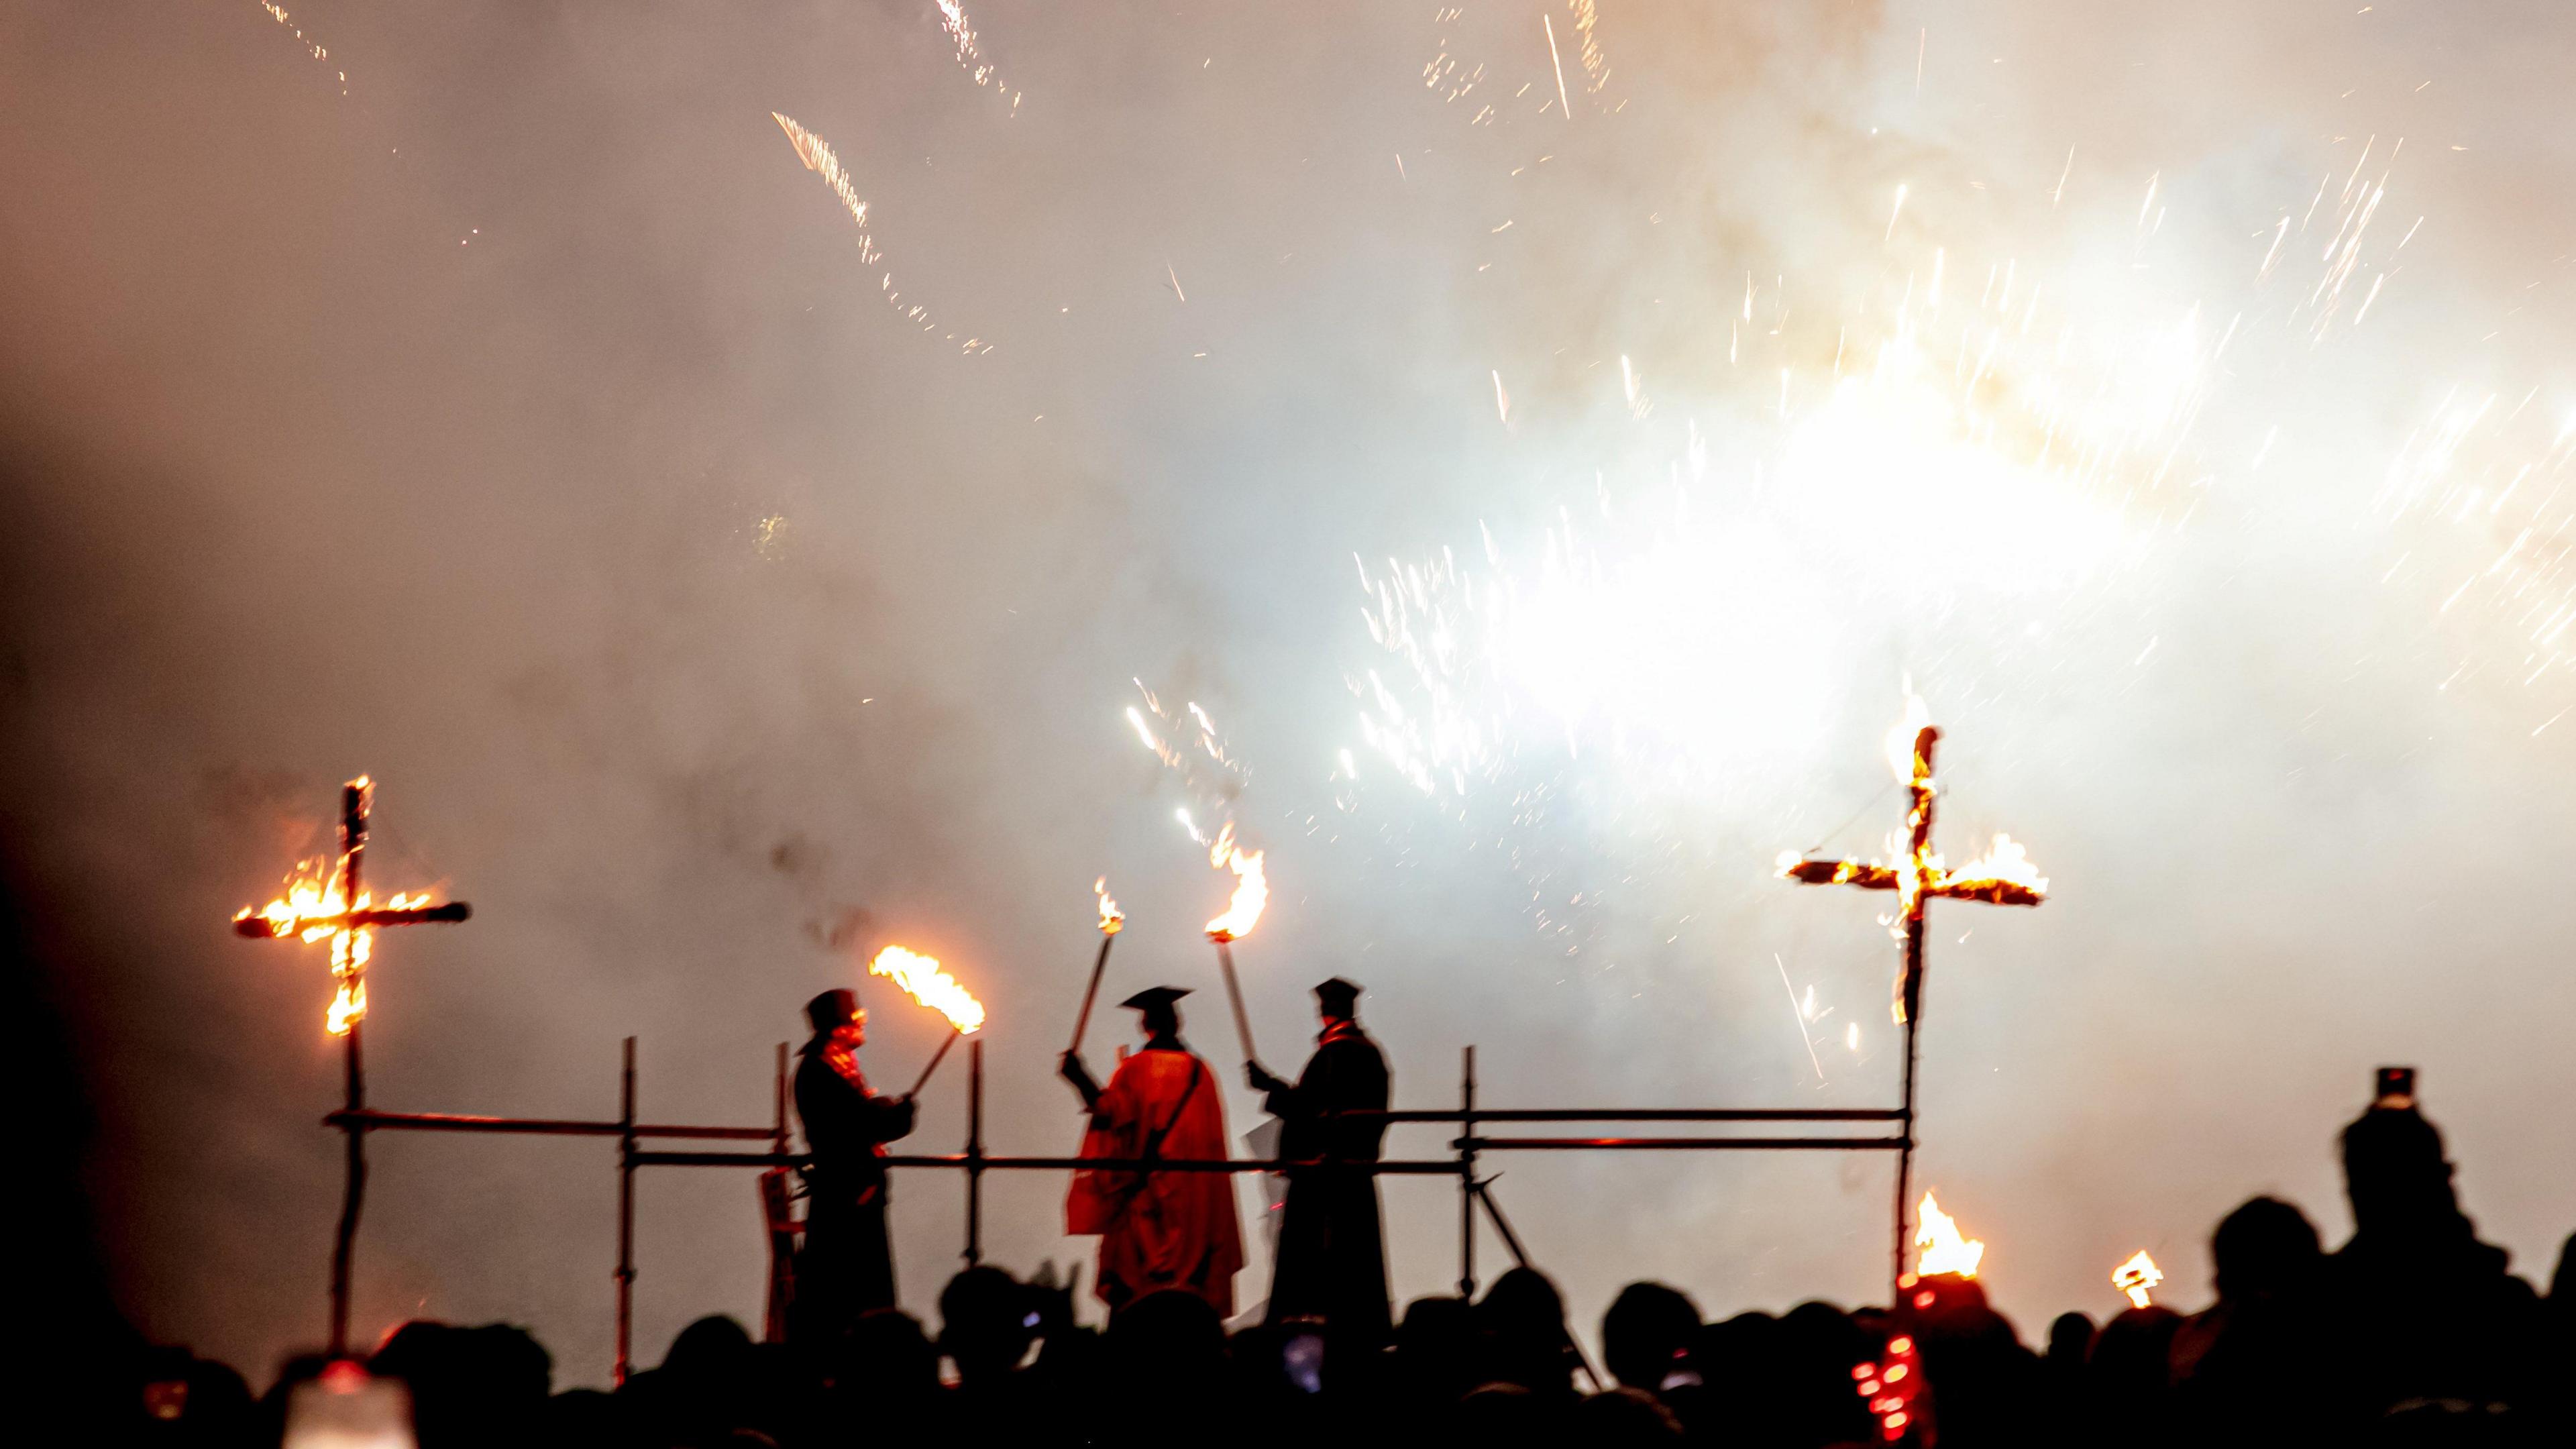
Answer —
1900 740
2136 1276
1111 918
2006 861
1251 889
316 908
1943 1249
925 981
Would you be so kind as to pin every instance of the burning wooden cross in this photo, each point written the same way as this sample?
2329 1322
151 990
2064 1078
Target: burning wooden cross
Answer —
334 903
2004 876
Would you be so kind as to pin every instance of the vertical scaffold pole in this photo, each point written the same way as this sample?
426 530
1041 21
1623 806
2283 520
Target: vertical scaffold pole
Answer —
626 1212
1467 1173
974 1152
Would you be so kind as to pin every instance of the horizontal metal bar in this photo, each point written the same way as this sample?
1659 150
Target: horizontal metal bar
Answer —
374 1121
1638 1114
1681 1144
1433 1167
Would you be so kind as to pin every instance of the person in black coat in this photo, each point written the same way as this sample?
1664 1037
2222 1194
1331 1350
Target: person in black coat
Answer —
1332 1249
846 1267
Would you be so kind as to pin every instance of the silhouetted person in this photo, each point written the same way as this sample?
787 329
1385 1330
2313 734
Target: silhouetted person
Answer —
846 1267
1522 1339
985 1328
1158 1230
1986 1389
2421 1309
1332 1244
470 1387
2127 1383
2246 1369
1646 1336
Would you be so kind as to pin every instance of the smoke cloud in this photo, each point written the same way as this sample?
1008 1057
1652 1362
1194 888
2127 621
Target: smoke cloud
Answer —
496 404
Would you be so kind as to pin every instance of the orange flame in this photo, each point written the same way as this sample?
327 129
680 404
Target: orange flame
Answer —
1943 1249
2136 1276
926 981
1111 918
1251 888
314 908
2005 861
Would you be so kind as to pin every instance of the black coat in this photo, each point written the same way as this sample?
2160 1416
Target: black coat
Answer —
846 1266
846 1125
1332 1245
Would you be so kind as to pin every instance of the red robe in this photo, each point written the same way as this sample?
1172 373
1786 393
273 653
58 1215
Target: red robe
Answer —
1159 1230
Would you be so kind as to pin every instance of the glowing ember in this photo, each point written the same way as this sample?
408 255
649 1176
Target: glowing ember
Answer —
926 981
1943 1249
1251 889
2136 1276
1112 920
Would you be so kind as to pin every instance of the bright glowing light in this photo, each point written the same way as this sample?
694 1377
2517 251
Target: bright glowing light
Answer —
2136 1276
926 981
1943 1250
1112 920
1251 888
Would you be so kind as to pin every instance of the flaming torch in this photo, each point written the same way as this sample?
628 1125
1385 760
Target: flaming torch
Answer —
2135 1277
1943 1248
1112 920
927 982
1251 893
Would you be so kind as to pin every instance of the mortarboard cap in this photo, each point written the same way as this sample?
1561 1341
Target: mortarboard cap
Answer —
1336 995
1154 996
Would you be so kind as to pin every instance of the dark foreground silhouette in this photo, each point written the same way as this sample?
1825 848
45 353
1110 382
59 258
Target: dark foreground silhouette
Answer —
2411 1333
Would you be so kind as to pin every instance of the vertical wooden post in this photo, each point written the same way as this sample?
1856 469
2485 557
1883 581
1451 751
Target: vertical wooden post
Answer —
1910 998
1467 1173
974 1253
626 1214
778 1105
353 1066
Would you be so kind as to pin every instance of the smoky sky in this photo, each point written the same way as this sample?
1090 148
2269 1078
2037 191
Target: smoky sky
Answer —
494 405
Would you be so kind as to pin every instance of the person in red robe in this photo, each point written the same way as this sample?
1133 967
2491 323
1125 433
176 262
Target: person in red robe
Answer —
1158 1230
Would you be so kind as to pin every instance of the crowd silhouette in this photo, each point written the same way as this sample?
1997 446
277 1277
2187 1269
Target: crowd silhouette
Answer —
2413 1332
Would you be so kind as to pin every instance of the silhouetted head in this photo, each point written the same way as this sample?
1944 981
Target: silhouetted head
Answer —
2395 1174
713 1347
2129 1356
833 1009
2263 1248
987 1321
1337 1000
1435 1348
889 1358
1648 1329
1521 1323
1160 1008
2070 1337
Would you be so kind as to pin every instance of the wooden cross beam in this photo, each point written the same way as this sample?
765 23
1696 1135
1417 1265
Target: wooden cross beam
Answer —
2004 876
335 904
